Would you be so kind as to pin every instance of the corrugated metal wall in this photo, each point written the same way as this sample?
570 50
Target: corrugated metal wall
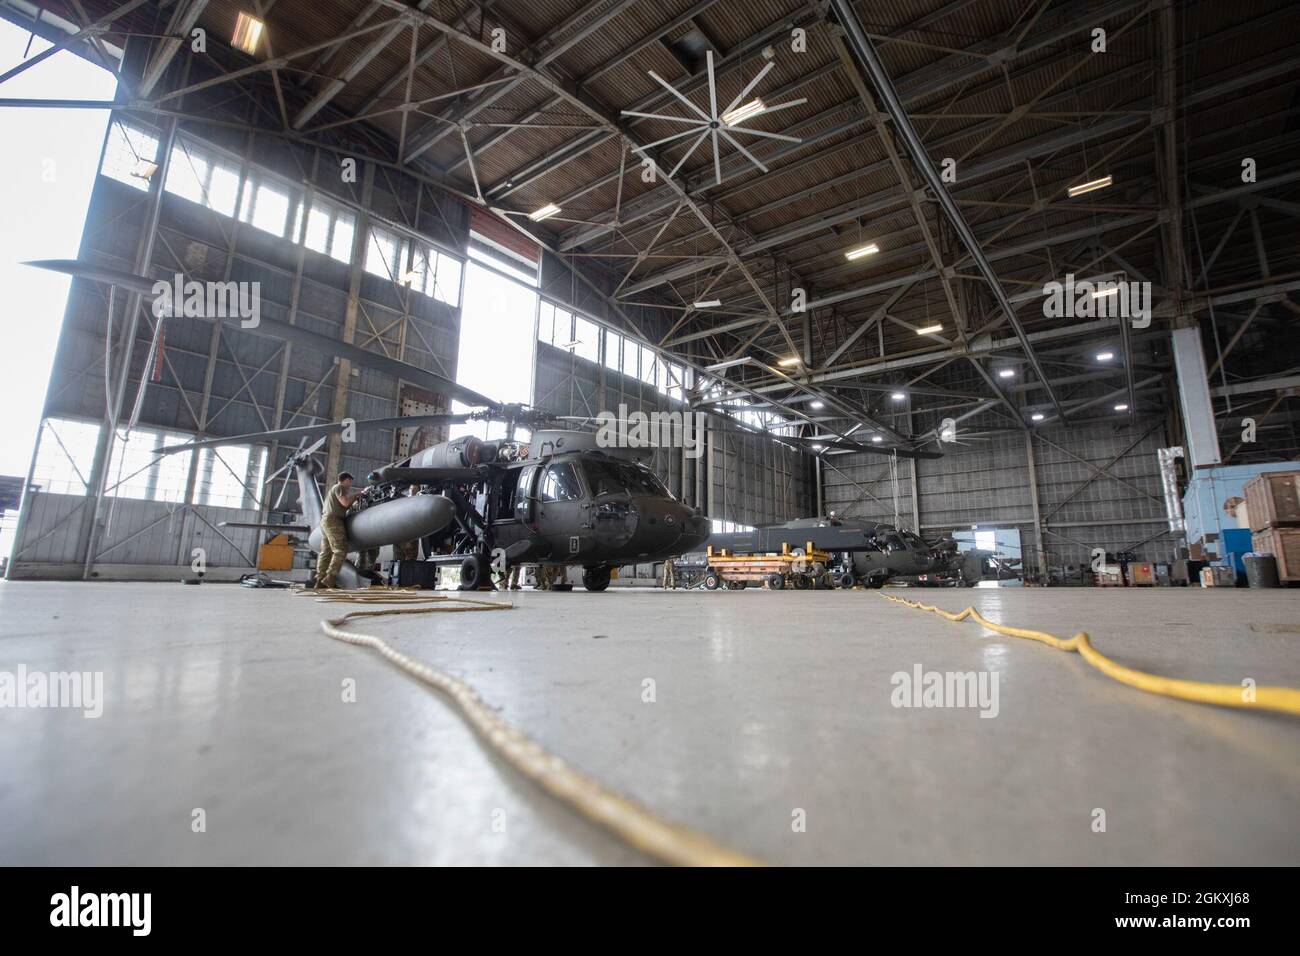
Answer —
1098 486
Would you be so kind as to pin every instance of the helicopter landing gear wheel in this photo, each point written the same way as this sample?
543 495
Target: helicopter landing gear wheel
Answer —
597 578
847 580
775 582
801 582
474 573
712 580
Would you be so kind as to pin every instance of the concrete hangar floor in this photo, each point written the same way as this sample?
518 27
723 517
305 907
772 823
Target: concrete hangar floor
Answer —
768 708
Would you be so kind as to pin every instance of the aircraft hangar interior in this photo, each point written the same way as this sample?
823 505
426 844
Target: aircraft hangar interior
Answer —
602 432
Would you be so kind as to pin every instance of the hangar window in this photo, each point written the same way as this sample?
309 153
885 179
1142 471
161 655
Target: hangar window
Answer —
630 353
230 476
554 325
135 471
65 450
613 349
649 366
587 335
329 230
266 205
384 254
198 175
130 155
674 381
434 274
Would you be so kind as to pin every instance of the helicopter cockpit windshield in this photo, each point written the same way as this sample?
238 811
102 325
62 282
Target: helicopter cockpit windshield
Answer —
613 477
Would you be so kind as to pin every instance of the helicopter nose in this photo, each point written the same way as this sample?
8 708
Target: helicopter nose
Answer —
670 527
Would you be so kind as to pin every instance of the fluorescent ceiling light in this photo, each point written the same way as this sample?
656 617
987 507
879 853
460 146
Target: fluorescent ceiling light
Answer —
1102 293
1121 407
790 361
929 329
1105 356
818 405
898 396
707 304
248 30
1088 187
876 438
870 249
546 212
744 112
1006 373
818 447
1037 416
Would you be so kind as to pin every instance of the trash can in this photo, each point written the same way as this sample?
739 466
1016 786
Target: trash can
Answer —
1261 570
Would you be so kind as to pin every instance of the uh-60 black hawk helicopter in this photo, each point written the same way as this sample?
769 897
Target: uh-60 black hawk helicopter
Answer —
558 499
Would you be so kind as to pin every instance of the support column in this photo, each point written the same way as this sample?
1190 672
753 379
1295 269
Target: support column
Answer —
1031 464
1194 398
343 374
91 526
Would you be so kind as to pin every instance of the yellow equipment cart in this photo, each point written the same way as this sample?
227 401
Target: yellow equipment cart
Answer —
799 568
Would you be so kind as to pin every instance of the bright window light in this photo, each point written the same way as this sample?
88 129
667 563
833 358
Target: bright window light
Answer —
1090 186
248 30
744 112
870 249
546 212
929 329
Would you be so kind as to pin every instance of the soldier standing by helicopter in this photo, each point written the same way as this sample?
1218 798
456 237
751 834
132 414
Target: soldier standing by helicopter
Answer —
334 536
669 581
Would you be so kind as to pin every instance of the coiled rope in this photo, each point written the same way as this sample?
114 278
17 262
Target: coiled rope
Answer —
635 824
1285 700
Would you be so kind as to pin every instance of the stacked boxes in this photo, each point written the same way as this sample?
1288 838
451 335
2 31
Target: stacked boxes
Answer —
1273 503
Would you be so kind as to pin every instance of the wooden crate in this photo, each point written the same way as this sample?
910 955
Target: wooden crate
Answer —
1273 500
1141 574
1284 545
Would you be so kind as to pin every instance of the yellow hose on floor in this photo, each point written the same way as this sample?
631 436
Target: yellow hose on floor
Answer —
627 819
1285 700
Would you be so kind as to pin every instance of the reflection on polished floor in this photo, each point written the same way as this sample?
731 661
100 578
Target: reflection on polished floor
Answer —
231 701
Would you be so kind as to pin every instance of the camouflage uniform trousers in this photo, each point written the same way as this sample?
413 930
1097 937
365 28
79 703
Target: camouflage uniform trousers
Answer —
333 551
670 575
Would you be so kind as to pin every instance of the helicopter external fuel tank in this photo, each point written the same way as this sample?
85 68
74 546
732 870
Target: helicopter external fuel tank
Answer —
401 519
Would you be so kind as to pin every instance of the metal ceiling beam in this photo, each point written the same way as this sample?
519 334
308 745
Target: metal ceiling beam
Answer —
184 16
378 43
1073 17
539 55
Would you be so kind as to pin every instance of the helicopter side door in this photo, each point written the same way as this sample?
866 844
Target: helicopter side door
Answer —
562 510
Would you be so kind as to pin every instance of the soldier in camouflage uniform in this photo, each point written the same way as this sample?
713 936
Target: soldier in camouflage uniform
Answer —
334 536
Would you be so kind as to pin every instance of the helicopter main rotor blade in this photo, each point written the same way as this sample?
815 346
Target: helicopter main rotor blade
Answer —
324 429
280 330
857 446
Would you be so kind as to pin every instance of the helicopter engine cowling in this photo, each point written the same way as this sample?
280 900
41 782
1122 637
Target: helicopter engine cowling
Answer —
390 522
464 452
